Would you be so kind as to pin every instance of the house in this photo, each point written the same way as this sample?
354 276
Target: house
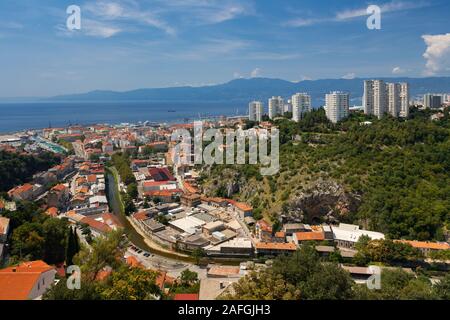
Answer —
427 247
27 281
243 209
23 192
4 229
212 288
263 230
58 196
301 237
237 247
346 235
291 228
190 200
221 271
274 248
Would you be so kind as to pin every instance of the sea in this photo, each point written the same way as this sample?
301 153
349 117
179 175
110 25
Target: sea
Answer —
38 115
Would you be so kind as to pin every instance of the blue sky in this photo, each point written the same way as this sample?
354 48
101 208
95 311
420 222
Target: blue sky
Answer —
129 44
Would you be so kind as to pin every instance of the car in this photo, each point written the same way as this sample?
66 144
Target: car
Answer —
139 251
146 255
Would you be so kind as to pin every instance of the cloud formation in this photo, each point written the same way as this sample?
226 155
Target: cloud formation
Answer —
437 53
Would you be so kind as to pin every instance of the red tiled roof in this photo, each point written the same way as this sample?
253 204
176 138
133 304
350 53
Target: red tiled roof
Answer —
17 282
97 225
276 246
427 245
186 296
310 236
52 212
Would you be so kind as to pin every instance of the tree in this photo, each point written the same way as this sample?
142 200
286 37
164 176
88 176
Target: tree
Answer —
198 254
131 284
132 190
263 285
88 291
106 251
328 282
73 246
442 288
28 241
55 234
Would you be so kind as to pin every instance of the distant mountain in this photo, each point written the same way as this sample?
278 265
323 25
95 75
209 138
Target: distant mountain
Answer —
244 90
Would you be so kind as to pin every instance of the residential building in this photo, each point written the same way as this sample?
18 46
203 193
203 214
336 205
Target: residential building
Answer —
337 106
276 107
255 111
274 248
432 101
301 237
27 281
381 98
427 247
301 103
346 235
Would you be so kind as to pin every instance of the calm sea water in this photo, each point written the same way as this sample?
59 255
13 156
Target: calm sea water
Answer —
19 116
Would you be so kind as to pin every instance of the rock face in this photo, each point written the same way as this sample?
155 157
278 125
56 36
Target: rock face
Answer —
324 201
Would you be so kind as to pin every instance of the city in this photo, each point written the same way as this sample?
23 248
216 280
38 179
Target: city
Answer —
224 158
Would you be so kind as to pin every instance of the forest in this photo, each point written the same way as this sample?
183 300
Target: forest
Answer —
15 169
398 170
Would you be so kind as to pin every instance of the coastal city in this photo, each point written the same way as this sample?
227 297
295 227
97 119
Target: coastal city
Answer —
224 159
124 177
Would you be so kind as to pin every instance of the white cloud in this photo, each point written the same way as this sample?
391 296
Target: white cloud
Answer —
98 29
115 11
255 73
397 70
348 14
437 53
349 76
237 75
385 8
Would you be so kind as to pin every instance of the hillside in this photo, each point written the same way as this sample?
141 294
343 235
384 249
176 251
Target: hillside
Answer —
244 90
391 176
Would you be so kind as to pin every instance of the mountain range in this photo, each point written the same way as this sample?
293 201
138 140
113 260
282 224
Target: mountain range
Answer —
244 90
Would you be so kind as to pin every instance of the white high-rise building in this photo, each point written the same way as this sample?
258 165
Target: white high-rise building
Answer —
276 107
337 106
380 98
394 103
255 111
301 103
404 100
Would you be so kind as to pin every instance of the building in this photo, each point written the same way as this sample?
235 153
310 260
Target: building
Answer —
212 288
301 103
58 196
337 106
237 247
427 247
190 200
274 248
381 98
346 235
432 101
301 237
4 229
27 281
276 107
255 111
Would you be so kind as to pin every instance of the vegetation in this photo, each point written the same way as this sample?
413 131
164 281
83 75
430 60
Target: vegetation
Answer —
16 169
397 172
123 283
36 236
304 275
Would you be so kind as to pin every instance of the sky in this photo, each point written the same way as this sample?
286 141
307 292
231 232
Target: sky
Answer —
129 44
